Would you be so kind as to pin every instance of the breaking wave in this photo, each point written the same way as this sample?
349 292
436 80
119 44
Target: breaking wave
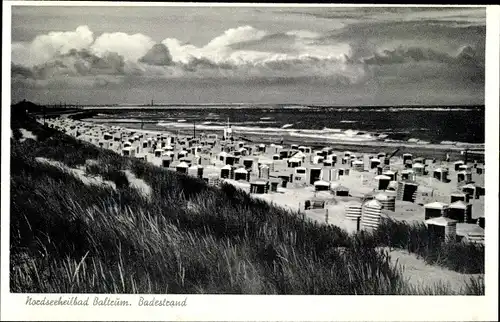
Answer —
325 133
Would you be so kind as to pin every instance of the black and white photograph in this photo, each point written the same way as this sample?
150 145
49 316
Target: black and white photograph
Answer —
181 150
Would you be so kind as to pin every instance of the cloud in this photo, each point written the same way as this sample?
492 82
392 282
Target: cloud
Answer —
307 34
18 71
158 55
235 35
219 50
73 68
360 15
195 64
242 54
131 47
277 43
44 47
467 56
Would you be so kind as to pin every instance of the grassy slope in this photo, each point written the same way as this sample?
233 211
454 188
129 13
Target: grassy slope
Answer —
188 238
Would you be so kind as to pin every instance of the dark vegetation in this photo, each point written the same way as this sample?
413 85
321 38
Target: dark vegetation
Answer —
189 237
414 238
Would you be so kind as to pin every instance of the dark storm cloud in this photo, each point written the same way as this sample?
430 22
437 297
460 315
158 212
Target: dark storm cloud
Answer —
466 57
158 55
195 64
18 71
74 63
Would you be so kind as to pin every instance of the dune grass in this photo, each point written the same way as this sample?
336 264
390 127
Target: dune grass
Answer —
188 238
461 257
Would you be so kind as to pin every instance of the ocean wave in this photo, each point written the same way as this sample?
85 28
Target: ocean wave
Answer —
118 120
290 107
237 123
325 133
338 136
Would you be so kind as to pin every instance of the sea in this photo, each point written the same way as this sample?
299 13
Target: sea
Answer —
416 124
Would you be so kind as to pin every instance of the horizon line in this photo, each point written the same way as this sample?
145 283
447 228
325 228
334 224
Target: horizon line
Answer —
61 103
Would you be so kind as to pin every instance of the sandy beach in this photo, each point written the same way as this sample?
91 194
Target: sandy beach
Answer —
294 195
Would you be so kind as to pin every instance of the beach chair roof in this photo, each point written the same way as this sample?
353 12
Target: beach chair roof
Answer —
340 187
441 221
299 154
373 203
384 196
183 165
393 184
265 161
436 205
459 204
321 183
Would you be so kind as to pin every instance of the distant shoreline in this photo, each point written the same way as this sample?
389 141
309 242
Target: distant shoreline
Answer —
113 108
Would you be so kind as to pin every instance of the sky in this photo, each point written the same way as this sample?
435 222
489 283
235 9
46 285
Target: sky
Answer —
290 55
